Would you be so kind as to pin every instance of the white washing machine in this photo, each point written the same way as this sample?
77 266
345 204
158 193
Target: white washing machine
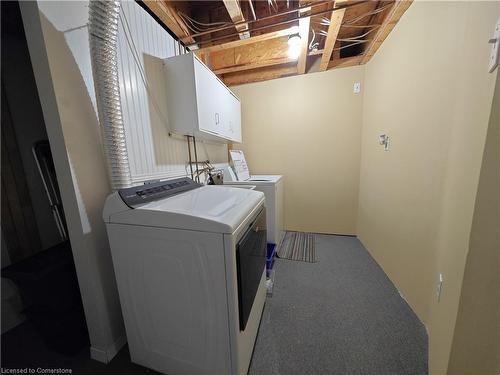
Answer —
272 187
189 262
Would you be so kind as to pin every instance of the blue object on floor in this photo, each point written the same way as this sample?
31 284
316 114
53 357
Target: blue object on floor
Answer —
271 251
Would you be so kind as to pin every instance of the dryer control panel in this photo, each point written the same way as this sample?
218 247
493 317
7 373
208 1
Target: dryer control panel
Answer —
139 195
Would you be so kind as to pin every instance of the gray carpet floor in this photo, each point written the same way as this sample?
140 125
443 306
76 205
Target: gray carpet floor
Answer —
341 315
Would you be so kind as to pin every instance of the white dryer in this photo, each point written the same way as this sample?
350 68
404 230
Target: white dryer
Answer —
189 263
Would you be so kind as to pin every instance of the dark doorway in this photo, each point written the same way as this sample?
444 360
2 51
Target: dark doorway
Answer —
41 302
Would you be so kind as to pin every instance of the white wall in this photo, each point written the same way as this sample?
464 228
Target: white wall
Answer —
58 40
152 153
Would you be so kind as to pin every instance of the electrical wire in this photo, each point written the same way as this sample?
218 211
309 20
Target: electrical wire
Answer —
352 40
298 9
313 45
272 4
189 24
357 39
184 15
197 26
375 11
350 45
360 26
325 21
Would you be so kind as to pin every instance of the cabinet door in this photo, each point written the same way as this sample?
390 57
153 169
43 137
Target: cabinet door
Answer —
233 117
235 126
220 106
219 111
207 93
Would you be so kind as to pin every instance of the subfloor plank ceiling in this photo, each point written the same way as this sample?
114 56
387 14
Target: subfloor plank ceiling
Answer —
256 40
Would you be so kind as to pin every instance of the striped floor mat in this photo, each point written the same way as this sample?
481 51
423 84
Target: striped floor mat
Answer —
298 246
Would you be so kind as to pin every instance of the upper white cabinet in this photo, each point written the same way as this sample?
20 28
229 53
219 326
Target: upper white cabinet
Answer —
199 103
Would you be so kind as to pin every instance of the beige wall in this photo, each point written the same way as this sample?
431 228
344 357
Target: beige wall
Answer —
416 202
308 128
476 343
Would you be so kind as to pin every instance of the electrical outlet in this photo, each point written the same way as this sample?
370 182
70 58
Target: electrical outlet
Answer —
439 287
356 88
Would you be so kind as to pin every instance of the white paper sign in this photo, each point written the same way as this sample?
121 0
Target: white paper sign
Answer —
240 165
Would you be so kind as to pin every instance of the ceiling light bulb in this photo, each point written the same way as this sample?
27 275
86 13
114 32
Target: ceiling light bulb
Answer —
294 51
294 40
294 46
293 30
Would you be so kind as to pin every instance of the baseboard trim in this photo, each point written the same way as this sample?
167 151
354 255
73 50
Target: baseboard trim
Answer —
106 355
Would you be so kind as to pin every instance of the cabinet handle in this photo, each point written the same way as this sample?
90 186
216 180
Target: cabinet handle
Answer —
216 119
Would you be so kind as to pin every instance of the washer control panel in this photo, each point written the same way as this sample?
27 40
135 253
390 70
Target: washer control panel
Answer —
139 195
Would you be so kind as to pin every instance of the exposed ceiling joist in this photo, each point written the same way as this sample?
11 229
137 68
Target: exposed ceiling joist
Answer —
304 42
345 62
268 52
265 54
168 15
234 10
243 42
257 75
333 31
266 18
388 24
254 65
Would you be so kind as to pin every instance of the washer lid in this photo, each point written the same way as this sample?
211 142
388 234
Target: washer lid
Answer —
209 209
265 179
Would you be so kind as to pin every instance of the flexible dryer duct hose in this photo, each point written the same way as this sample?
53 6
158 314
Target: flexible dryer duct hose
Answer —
103 38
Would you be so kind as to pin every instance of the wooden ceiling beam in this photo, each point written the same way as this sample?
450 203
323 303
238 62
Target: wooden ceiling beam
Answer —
345 62
166 12
255 65
304 24
333 30
269 50
392 18
234 10
244 42
304 28
257 75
